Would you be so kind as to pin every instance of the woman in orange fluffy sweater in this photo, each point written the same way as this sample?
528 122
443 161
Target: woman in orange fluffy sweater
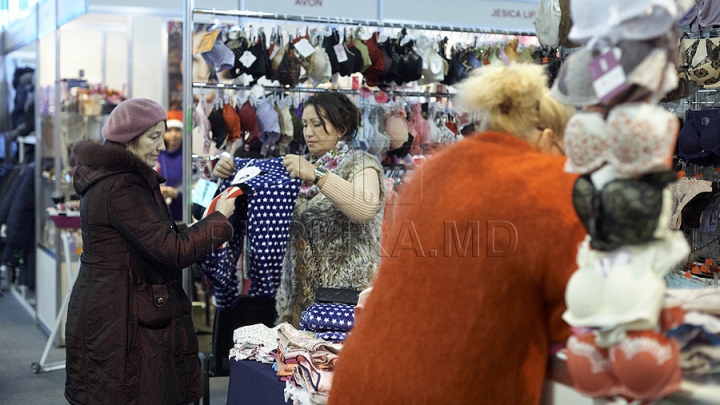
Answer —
470 293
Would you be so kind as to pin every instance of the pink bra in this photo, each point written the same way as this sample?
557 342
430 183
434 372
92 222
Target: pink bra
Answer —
635 139
645 365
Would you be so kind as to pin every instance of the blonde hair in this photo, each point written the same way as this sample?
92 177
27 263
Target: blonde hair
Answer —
554 115
505 98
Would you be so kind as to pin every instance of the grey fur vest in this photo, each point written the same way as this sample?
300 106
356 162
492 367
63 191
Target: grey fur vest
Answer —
347 253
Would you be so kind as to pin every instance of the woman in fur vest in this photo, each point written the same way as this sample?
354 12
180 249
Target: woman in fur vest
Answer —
129 332
470 296
335 235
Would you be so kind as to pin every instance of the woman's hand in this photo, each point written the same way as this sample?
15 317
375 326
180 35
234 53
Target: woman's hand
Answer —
299 168
224 168
169 192
225 204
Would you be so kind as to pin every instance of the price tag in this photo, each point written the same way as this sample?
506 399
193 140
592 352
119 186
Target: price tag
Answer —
245 174
608 76
206 42
247 59
304 47
204 192
340 53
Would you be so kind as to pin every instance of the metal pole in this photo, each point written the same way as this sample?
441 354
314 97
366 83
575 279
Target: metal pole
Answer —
187 108
349 21
230 86
130 57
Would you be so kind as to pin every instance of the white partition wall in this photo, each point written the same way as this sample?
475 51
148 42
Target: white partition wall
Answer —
149 57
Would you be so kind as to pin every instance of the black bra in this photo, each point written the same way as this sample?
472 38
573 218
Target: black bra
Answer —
624 212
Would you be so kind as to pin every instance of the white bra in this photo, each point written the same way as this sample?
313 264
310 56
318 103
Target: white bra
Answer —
623 289
635 139
433 66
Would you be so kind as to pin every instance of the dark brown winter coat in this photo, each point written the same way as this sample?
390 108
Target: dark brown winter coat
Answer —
129 333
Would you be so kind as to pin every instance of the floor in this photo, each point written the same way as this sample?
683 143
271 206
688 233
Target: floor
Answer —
22 342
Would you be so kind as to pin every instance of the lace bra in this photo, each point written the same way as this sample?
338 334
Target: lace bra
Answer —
636 138
703 73
624 212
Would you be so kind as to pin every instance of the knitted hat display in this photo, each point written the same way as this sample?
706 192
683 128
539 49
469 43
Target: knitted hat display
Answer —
175 119
131 118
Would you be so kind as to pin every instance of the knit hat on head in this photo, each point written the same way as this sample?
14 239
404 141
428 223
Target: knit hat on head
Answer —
175 119
131 118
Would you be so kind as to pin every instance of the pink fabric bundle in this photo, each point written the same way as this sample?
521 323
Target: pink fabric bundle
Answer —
422 129
398 128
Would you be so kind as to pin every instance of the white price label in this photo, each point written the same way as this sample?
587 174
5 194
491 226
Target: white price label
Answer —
304 47
340 53
245 174
247 59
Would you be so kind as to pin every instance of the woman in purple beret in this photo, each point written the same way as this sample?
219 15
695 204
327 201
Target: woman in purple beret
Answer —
129 332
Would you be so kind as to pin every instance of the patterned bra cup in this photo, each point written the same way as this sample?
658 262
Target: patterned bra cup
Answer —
635 139
703 72
645 365
624 212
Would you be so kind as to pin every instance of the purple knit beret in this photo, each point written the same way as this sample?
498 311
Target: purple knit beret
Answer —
131 118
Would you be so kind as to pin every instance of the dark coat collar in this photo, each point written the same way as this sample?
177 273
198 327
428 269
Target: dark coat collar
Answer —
96 162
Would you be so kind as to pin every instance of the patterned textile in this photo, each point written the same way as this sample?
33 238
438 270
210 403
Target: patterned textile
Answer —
326 317
270 201
335 337
328 161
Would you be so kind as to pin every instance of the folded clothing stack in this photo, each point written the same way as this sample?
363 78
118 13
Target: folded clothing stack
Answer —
697 331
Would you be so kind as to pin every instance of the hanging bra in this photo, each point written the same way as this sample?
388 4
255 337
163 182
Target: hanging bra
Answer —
378 61
704 73
624 212
645 365
636 138
433 66
249 122
344 68
699 137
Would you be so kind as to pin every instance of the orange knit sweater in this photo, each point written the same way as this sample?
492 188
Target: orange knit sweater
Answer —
470 290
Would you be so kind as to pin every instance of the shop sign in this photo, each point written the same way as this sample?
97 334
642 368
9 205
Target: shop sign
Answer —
505 15
366 10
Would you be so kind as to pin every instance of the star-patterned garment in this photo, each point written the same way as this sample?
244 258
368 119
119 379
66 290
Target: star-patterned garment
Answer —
220 266
271 199
326 317
334 337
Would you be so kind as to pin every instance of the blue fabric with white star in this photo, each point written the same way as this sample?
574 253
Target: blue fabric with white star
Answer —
328 317
271 199
220 266
333 337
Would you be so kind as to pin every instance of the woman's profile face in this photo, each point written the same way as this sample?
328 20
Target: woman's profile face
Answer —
318 140
149 145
